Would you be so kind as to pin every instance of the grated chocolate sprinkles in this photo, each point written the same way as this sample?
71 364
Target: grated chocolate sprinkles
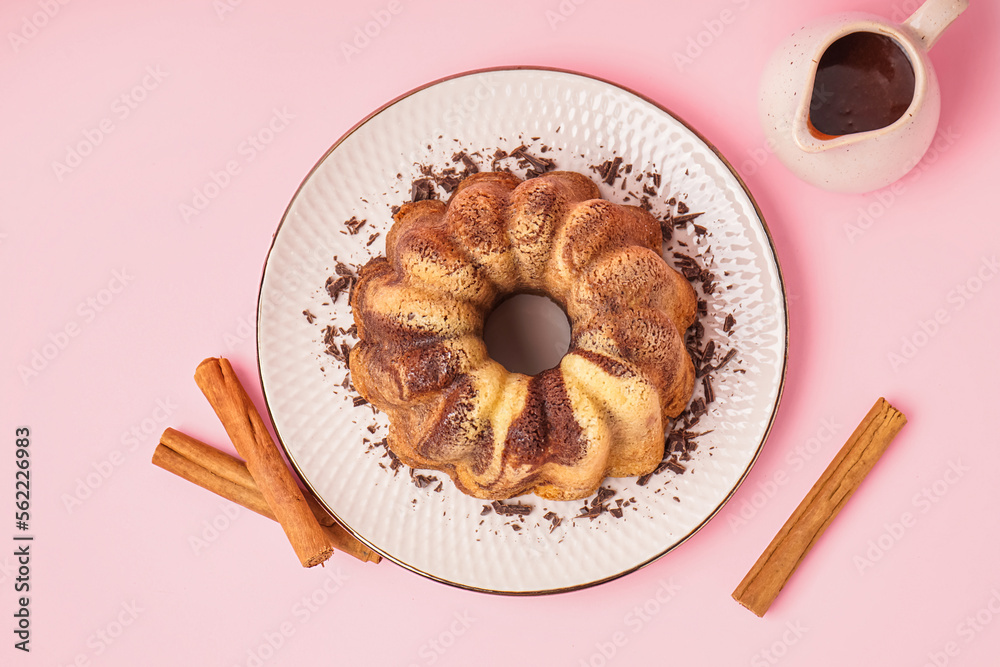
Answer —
608 171
354 225
680 440
536 165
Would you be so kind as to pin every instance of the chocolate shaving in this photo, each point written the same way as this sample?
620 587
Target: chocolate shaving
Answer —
353 225
661 467
394 463
730 322
359 401
538 165
513 509
695 354
332 348
470 166
706 384
422 481
612 174
608 170
422 189
498 155
698 407
603 494
666 228
310 318
335 287
591 512
676 466
682 220
726 359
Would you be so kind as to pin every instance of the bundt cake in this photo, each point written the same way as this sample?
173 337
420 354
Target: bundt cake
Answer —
421 359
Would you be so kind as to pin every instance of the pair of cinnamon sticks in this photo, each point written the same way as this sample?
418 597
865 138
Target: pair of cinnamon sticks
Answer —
263 483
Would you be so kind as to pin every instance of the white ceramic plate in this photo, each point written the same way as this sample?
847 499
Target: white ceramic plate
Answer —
581 122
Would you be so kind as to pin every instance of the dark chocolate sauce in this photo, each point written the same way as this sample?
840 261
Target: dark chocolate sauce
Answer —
864 82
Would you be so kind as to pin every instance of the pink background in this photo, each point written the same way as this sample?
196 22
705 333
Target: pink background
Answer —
100 271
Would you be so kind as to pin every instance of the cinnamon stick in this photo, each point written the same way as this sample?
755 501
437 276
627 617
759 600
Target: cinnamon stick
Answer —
218 381
228 477
817 510
214 460
192 471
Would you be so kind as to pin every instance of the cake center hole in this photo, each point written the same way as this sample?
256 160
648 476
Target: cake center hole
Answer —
527 334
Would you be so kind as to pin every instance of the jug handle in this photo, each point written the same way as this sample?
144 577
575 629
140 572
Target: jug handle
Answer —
932 17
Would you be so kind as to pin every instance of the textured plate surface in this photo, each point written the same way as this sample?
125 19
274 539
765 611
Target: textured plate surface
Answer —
579 122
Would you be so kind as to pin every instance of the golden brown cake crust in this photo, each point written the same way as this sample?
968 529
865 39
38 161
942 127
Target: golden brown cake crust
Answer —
421 358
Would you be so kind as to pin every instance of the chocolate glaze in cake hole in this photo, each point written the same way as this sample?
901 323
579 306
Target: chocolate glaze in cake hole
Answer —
527 333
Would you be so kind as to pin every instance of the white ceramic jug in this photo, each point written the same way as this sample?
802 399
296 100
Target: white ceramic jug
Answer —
850 160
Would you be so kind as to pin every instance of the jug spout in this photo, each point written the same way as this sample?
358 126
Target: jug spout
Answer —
810 140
